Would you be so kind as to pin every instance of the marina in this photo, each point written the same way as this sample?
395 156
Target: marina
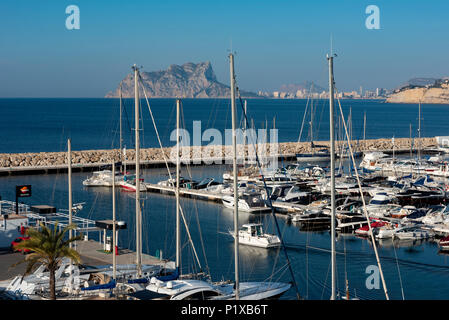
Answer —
292 220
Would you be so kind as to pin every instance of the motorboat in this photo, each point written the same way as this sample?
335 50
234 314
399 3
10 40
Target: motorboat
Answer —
102 178
316 156
287 193
380 204
376 161
311 217
436 215
252 234
129 183
252 203
444 244
412 232
401 212
375 225
242 186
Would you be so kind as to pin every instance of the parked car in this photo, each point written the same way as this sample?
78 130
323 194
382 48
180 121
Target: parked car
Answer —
16 242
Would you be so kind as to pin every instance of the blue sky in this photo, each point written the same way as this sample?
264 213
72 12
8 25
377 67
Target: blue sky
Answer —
276 42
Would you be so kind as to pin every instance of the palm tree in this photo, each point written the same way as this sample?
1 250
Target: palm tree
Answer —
48 247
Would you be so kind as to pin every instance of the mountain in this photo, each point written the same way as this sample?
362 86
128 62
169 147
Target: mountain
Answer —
187 81
308 86
422 90
417 82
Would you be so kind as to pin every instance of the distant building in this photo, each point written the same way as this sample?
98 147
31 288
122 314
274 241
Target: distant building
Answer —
276 94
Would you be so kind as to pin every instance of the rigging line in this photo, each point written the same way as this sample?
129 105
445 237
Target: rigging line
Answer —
166 164
304 118
363 200
188 166
399 271
127 121
269 200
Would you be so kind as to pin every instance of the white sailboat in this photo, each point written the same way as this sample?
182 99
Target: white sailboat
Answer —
105 178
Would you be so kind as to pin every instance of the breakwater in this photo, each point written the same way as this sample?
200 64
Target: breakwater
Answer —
88 160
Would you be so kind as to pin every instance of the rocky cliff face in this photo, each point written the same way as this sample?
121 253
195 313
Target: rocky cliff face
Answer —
436 93
187 81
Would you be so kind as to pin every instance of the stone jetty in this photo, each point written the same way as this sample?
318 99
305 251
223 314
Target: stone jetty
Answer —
153 155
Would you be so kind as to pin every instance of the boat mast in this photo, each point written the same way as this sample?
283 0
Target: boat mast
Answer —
332 147
121 137
69 162
244 136
364 126
138 213
234 162
114 240
419 131
178 230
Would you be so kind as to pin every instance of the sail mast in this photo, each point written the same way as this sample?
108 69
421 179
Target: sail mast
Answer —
234 162
178 230
69 162
138 213
419 131
121 137
332 147
114 237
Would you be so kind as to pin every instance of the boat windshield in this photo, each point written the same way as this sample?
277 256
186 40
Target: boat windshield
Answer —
379 202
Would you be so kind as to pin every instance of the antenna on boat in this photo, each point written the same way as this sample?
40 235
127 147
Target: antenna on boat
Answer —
114 236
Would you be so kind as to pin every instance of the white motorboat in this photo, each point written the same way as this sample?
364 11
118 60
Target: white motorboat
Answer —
242 187
103 178
412 233
252 203
380 204
286 193
252 234
436 215
375 161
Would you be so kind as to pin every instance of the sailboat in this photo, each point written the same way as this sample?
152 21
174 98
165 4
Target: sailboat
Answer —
226 290
104 178
315 155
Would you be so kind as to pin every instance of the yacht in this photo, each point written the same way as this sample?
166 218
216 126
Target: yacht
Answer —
252 234
129 183
380 204
205 290
102 178
252 203
412 233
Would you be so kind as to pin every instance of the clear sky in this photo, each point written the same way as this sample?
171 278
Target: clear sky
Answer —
276 42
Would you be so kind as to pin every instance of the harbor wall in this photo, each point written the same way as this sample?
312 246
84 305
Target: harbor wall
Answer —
88 160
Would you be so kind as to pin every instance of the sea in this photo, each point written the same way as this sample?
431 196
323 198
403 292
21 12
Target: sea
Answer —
412 270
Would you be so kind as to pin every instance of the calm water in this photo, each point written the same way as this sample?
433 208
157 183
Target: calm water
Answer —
32 125
36 125
424 272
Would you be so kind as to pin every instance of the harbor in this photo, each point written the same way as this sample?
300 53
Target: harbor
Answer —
240 226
